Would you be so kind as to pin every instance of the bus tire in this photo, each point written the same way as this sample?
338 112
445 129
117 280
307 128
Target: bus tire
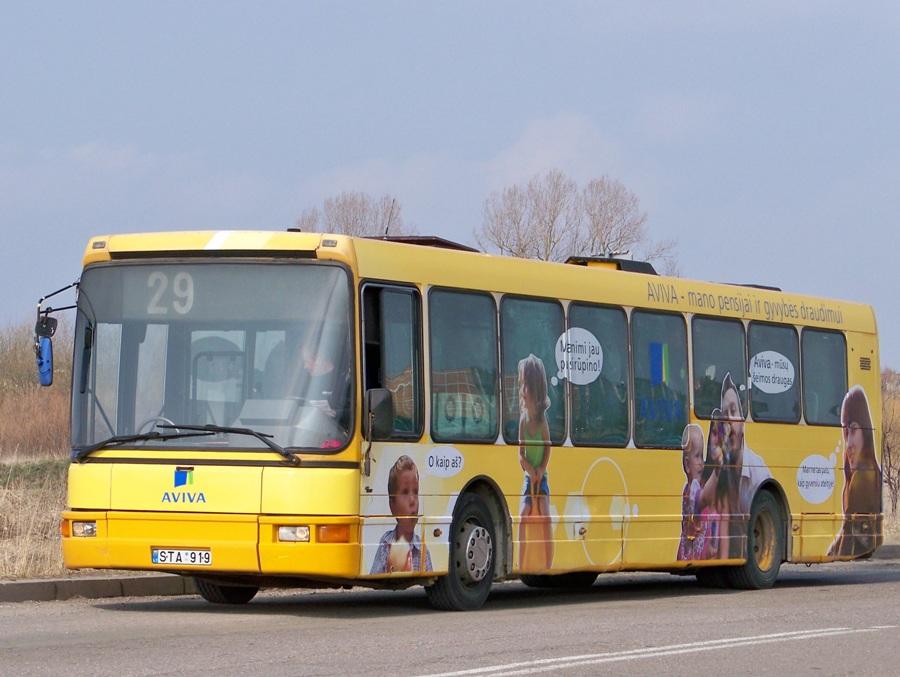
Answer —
467 583
225 594
765 546
574 580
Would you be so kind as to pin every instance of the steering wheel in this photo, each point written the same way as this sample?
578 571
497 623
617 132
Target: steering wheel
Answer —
155 419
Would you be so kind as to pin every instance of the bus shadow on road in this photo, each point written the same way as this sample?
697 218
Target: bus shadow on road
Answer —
359 603
362 602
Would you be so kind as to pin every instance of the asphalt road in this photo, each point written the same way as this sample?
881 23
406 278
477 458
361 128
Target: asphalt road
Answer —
832 619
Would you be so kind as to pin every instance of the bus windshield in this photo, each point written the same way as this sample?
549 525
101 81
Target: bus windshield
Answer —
244 346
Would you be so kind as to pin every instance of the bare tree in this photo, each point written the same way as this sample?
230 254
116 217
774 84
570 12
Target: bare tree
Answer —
551 219
532 222
555 215
358 214
890 435
613 222
507 223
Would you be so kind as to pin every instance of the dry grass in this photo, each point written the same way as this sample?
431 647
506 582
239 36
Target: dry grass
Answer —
34 421
34 443
32 495
34 424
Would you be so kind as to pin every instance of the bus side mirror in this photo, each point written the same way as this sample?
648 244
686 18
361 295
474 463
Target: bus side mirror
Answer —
379 413
44 356
44 329
45 326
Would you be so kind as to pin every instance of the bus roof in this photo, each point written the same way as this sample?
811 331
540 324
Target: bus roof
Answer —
447 264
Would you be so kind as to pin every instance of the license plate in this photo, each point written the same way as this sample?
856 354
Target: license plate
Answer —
201 558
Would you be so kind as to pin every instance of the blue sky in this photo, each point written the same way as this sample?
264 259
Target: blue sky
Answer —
764 137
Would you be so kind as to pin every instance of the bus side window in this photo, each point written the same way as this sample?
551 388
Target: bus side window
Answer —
718 351
531 327
774 373
392 353
824 381
660 378
599 397
464 373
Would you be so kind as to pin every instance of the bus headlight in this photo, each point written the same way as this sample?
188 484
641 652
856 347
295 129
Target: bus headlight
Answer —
299 534
84 529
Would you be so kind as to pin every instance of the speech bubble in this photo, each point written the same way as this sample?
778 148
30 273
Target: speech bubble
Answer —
579 356
771 372
815 478
443 461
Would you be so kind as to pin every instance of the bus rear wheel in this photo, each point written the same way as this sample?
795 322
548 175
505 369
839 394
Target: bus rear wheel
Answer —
225 594
467 583
765 546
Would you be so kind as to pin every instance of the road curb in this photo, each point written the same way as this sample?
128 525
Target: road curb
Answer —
57 589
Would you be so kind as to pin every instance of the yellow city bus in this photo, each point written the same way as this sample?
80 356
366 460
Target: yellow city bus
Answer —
289 409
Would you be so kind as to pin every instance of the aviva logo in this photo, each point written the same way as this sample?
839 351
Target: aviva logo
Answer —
184 477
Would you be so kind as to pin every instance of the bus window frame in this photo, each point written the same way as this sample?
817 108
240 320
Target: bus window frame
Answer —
751 414
745 398
803 389
429 394
686 413
550 372
418 381
629 377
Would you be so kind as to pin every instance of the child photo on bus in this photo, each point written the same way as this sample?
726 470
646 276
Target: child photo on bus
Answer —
534 455
694 527
720 484
401 549
860 532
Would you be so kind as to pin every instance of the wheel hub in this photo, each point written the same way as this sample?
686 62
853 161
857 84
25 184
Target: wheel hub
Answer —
478 553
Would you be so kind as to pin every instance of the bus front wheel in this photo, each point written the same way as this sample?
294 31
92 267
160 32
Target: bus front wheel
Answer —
467 583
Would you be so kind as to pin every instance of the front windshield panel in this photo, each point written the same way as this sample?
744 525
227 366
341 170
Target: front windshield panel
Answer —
261 346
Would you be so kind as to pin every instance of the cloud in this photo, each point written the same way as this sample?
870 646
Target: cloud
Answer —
675 117
98 156
100 183
568 142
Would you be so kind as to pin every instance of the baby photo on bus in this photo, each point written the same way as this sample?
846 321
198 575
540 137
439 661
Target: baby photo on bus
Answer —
401 549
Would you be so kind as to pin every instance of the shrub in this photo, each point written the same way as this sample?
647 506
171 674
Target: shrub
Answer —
34 421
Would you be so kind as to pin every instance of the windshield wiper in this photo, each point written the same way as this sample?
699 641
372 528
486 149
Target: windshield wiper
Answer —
265 438
78 455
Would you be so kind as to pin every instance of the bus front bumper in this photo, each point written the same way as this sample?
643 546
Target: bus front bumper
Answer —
215 543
